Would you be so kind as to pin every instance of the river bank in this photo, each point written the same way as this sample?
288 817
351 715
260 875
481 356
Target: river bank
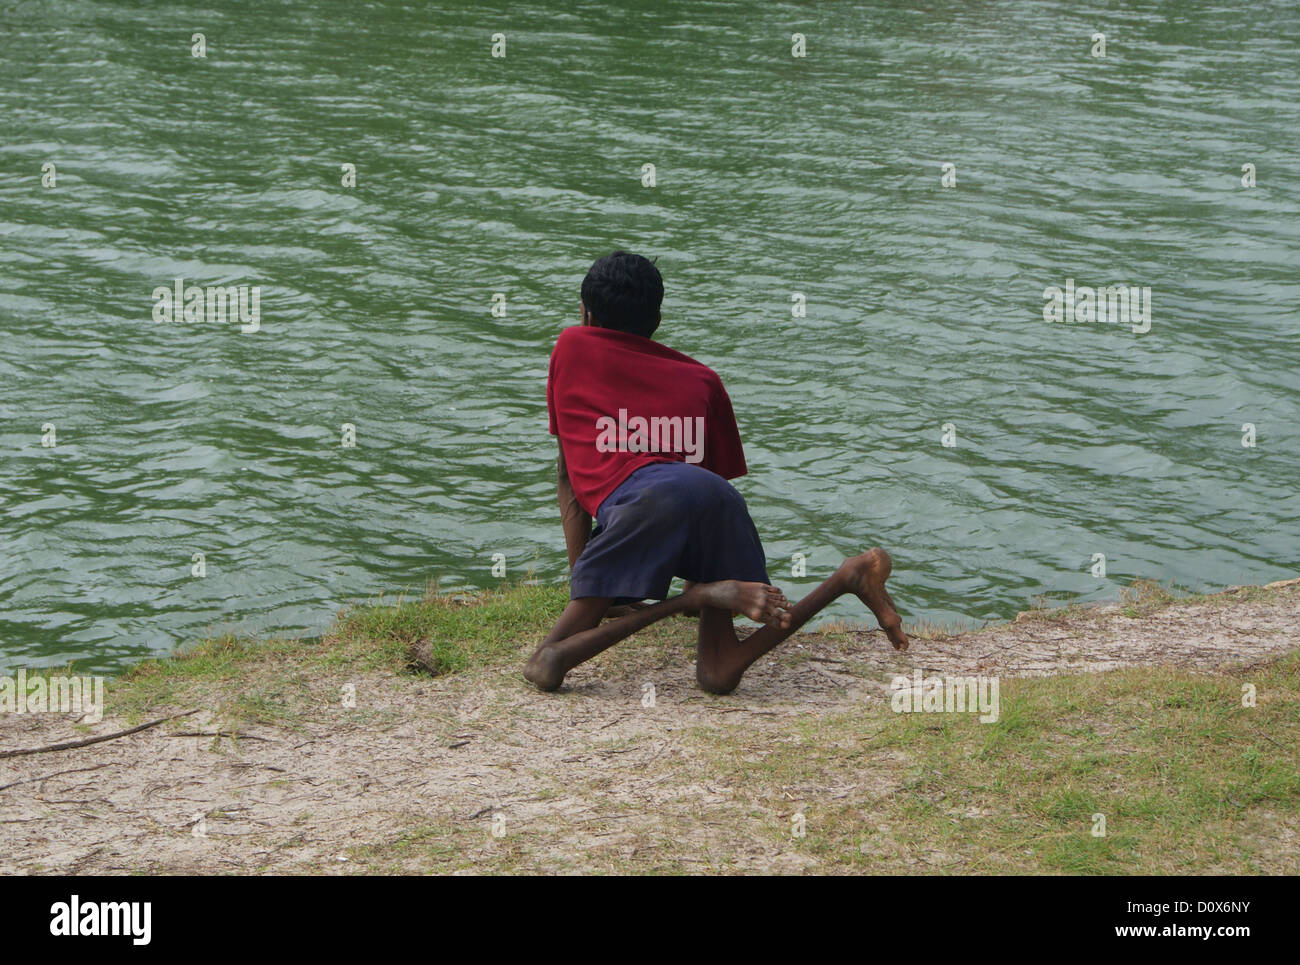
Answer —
1175 719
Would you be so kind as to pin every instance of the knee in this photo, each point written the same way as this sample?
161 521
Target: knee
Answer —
712 682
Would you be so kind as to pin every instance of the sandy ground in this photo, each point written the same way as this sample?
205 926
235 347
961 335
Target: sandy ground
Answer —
580 778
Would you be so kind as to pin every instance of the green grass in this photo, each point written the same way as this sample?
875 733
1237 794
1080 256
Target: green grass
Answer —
1187 778
270 680
460 635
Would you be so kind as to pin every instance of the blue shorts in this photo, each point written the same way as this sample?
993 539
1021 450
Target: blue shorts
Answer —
668 519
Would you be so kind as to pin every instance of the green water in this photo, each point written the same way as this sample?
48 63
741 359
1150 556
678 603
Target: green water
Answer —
775 174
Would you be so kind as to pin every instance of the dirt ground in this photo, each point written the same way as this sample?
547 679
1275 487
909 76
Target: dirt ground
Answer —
574 781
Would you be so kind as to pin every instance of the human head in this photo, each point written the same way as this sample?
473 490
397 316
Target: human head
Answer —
623 292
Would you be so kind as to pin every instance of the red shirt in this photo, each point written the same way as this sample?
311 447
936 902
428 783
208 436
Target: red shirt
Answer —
618 402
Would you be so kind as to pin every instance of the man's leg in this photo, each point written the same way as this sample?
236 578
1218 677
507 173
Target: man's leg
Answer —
624 609
722 658
579 635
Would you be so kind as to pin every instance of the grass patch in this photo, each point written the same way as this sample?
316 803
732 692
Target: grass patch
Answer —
455 632
1189 780
271 680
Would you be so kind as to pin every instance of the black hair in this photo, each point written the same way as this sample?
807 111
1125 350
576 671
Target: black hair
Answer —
623 291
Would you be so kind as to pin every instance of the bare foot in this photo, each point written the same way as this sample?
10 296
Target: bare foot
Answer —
544 669
758 601
865 576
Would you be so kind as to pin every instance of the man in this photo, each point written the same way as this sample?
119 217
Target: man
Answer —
647 441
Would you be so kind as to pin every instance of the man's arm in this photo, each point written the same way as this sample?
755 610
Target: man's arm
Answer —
577 524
